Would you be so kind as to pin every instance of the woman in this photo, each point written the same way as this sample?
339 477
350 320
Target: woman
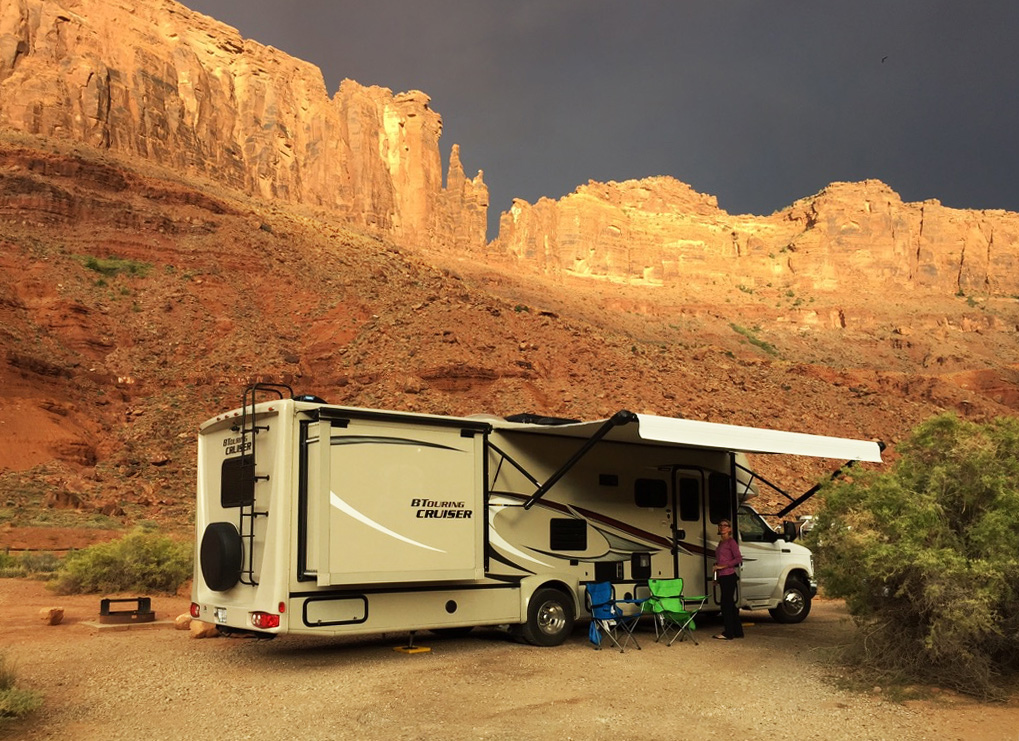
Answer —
727 558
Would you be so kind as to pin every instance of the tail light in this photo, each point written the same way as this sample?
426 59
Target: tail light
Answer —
265 620
196 610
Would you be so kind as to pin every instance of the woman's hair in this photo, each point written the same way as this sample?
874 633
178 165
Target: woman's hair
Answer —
724 522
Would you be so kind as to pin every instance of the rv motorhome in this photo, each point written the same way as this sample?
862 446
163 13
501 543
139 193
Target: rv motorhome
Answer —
321 519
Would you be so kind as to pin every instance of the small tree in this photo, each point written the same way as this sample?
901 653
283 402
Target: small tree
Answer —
927 556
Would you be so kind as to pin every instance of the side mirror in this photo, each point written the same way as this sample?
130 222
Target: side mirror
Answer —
789 531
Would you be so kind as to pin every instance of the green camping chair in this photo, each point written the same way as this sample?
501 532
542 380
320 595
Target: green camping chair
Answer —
673 613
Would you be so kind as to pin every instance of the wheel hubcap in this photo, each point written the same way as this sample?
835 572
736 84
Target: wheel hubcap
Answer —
794 602
551 618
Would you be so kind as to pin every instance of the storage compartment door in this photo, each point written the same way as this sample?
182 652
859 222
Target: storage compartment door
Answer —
405 503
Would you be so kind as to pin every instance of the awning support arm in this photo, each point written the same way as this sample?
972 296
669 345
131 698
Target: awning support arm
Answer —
817 487
759 477
619 418
504 457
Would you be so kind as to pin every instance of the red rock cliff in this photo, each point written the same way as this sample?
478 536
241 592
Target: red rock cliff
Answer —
659 230
154 79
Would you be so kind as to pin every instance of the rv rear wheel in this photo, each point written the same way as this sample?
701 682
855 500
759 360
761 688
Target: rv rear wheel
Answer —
220 556
549 618
795 604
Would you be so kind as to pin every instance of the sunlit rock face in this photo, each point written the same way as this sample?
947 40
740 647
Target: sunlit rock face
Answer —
154 79
659 230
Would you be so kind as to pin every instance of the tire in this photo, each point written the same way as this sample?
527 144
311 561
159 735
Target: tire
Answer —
220 556
795 605
549 618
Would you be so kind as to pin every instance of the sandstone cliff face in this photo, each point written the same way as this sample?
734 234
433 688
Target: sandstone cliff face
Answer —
156 80
659 230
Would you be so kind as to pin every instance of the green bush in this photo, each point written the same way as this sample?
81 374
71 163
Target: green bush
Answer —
141 561
14 702
27 564
927 556
753 339
113 265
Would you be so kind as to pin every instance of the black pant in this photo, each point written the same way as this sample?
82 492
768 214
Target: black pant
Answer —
730 613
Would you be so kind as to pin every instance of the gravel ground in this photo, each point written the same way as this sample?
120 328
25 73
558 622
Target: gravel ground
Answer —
160 684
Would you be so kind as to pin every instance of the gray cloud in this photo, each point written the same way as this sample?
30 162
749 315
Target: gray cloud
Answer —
756 103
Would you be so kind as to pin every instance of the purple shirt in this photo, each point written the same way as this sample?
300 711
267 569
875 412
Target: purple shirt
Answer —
727 555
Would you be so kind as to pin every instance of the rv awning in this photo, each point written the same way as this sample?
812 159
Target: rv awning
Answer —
687 433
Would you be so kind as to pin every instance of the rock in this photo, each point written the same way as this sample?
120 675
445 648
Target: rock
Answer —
183 622
110 509
52 615
659 231
204 101
200 629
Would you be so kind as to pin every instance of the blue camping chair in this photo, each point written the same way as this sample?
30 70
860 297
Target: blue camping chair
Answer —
608 620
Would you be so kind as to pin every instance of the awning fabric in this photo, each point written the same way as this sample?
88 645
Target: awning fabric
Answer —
687 433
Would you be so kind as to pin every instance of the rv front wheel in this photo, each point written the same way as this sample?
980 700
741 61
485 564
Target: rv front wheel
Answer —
549 618
795 604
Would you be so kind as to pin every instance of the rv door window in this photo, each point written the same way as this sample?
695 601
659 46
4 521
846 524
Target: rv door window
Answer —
651 493
689 500
719 497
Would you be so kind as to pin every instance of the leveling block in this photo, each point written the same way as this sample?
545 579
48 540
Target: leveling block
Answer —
410 648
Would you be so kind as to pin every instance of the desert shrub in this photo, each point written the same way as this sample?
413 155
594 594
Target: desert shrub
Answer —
28 564
141 561
927 556
14 701
10 566
111 266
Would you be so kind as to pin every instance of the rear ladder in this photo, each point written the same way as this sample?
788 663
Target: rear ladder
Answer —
247 511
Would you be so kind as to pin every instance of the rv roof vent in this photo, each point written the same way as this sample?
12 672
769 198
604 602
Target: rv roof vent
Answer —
310 397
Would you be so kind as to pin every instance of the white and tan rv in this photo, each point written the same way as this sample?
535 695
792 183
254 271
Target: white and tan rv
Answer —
322 519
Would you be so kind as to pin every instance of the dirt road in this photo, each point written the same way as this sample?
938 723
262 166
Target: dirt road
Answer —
161 684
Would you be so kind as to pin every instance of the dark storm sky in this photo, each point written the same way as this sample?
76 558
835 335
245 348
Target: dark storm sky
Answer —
758 103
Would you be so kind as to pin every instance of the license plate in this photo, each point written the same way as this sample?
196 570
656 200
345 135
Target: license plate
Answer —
219 614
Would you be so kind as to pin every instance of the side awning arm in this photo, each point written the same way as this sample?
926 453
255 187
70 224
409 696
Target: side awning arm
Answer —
817 487
622 417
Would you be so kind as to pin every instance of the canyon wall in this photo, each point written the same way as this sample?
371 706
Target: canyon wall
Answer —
153 79
850 235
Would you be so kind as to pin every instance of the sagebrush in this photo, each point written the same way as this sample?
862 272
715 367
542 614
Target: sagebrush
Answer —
927 556
14 701
28 564
141 561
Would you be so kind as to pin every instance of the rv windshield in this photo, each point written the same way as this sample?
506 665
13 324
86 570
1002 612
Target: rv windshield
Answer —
753 528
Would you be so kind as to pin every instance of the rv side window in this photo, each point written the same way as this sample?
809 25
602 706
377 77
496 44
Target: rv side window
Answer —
237 482
689 500
719 497
651 493
567 534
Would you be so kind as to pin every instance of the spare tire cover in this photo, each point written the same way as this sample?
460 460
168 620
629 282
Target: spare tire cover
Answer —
220 556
